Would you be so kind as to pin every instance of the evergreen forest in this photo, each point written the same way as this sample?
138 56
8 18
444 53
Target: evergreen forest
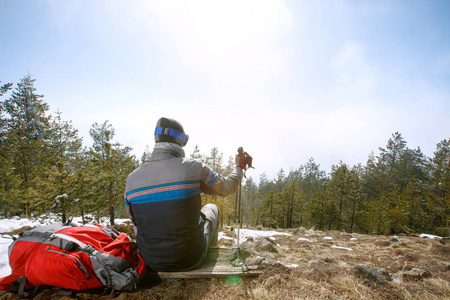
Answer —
45 167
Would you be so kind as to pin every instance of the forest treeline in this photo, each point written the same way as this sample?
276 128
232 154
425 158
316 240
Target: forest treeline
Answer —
44 167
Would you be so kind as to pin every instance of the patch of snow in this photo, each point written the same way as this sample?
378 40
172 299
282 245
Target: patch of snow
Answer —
244 234
5 269
430 236
261 233
223 236
58 198
327 238
304 240
353 239
291 266
7 225
344 248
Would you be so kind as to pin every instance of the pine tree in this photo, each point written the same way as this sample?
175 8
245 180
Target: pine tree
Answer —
312 184
57 187
196 154
111 164
301 209
340 184
267 210
214 161
292 198
415 202
5 88
145 156
357 204
280 182
396 168
439 192
83 183
9 181
28 132
249 213
313 178
320 207
264 185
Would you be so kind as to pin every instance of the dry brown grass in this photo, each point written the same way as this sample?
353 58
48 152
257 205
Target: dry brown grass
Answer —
325 272
322 273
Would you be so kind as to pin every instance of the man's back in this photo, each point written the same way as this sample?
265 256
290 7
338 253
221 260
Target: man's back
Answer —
165 198
162 198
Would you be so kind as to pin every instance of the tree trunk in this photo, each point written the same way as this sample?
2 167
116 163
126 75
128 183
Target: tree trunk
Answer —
82 214
353 217
111 204
111 215
291 210
379 222
340 212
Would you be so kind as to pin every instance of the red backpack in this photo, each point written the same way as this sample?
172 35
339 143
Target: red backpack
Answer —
74 257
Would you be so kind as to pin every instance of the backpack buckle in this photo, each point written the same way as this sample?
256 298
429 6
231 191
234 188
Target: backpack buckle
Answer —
89 249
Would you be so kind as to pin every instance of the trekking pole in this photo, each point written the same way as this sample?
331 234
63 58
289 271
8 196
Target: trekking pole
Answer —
240 209
235 219
236 206
240 205
245 162
239 216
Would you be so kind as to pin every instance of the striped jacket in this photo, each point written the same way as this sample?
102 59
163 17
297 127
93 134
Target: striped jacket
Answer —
163 199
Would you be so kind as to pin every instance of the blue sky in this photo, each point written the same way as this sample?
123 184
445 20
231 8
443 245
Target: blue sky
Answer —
287 80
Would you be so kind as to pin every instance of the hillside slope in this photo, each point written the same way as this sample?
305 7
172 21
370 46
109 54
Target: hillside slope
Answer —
306 264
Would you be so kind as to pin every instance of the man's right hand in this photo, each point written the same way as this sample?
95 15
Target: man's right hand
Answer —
237 160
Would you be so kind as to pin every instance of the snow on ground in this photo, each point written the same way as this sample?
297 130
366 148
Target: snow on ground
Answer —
8 225
304 240
244 234
259 233
4 261
344 248
430 236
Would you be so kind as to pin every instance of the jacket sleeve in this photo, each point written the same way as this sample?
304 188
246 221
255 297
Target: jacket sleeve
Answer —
215 184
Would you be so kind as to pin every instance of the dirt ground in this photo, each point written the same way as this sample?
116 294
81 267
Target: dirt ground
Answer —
312 265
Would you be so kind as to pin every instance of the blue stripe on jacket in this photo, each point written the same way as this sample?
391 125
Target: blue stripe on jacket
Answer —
164 192
210 178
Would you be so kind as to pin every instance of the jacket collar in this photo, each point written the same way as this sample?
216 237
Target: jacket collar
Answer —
165 150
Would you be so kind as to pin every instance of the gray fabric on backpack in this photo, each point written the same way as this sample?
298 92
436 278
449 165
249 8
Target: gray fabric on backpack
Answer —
114 272
43 235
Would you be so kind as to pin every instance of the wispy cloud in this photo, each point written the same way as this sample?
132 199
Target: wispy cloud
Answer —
355 79
233 46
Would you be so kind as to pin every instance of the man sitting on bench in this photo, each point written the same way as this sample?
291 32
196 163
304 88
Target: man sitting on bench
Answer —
162 198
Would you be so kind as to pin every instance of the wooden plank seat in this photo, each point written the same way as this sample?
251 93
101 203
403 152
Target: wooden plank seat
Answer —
220 262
